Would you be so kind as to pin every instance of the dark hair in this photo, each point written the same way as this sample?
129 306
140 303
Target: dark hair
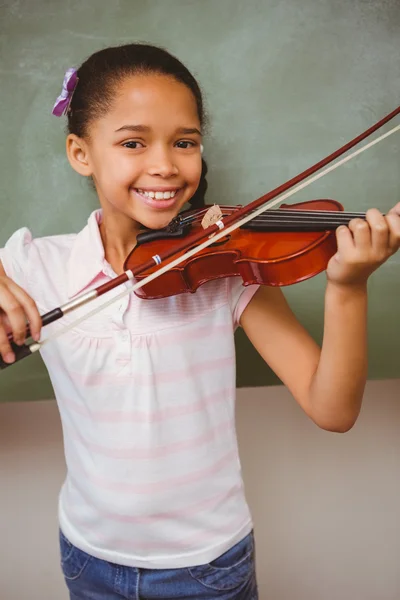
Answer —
103 70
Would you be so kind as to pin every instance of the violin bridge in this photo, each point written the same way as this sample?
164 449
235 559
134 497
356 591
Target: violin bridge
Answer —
213 215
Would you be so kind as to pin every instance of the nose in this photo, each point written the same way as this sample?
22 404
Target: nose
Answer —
161 163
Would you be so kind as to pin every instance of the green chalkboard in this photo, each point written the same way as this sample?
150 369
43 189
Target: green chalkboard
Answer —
286 82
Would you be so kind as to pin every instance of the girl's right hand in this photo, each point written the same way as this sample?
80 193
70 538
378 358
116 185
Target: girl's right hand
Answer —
16 308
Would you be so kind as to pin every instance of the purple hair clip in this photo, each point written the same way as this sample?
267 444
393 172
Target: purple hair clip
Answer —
64 99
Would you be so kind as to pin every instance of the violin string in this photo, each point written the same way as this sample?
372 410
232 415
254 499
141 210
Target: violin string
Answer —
198 216
287 220
315 213
227 211
211 240
298 213
333 216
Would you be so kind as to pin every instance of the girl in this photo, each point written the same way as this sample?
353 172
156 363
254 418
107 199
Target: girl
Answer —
153 504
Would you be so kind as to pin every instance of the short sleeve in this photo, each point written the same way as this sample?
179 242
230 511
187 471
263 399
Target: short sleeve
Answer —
15 256
239 297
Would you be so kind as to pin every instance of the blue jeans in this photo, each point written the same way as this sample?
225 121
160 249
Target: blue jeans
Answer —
229 577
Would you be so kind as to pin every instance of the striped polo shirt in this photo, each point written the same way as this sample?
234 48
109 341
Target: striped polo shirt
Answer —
146 394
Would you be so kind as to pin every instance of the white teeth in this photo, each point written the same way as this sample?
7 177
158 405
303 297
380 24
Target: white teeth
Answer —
158 195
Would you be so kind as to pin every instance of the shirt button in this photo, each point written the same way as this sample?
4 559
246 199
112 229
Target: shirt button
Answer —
125 336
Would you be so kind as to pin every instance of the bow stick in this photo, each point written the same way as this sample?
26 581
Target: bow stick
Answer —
221 229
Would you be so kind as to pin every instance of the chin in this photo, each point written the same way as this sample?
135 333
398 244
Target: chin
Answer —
156 221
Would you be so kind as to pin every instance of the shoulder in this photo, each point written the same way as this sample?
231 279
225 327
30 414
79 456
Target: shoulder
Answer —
22 246
239 297
52 247
25 257
23 249
267 302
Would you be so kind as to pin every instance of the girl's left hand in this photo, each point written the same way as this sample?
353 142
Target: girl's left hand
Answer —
363 246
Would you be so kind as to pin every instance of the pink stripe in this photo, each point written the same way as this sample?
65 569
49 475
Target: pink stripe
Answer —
152 379
226 428
180 336
150 416
105 338
186 512
160 486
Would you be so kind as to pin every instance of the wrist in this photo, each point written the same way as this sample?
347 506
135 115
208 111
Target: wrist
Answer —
346 291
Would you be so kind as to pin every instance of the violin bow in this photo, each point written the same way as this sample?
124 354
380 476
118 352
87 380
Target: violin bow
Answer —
212 234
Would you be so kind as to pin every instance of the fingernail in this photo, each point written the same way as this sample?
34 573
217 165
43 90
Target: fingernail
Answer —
10 357
36 336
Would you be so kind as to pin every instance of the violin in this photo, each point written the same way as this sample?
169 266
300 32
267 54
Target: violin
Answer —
279 248
282 247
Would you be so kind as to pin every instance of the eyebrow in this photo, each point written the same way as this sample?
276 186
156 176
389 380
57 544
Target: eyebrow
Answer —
146 129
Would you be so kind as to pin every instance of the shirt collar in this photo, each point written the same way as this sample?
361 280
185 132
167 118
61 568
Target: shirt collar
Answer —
87 259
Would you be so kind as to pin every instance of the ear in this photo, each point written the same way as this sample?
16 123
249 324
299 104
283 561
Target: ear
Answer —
78 155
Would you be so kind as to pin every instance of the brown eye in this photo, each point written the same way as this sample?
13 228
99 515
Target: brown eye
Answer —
133 145
185 144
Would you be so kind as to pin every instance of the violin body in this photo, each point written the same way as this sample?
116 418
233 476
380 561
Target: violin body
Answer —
271 250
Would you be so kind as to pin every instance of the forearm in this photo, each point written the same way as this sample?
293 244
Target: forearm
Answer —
338 383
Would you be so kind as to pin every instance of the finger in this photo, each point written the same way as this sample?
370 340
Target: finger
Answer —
395 209
361 232
393 222
14 313
5 349
379 233
30 308
345 242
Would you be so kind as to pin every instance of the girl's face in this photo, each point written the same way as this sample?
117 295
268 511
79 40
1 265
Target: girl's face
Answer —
144 154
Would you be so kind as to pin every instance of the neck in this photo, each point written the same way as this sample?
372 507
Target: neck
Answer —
118 234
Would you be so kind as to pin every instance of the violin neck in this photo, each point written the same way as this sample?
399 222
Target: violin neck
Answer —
299 220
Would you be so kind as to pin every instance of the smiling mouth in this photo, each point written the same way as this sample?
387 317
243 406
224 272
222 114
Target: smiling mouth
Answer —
160 200
158 195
